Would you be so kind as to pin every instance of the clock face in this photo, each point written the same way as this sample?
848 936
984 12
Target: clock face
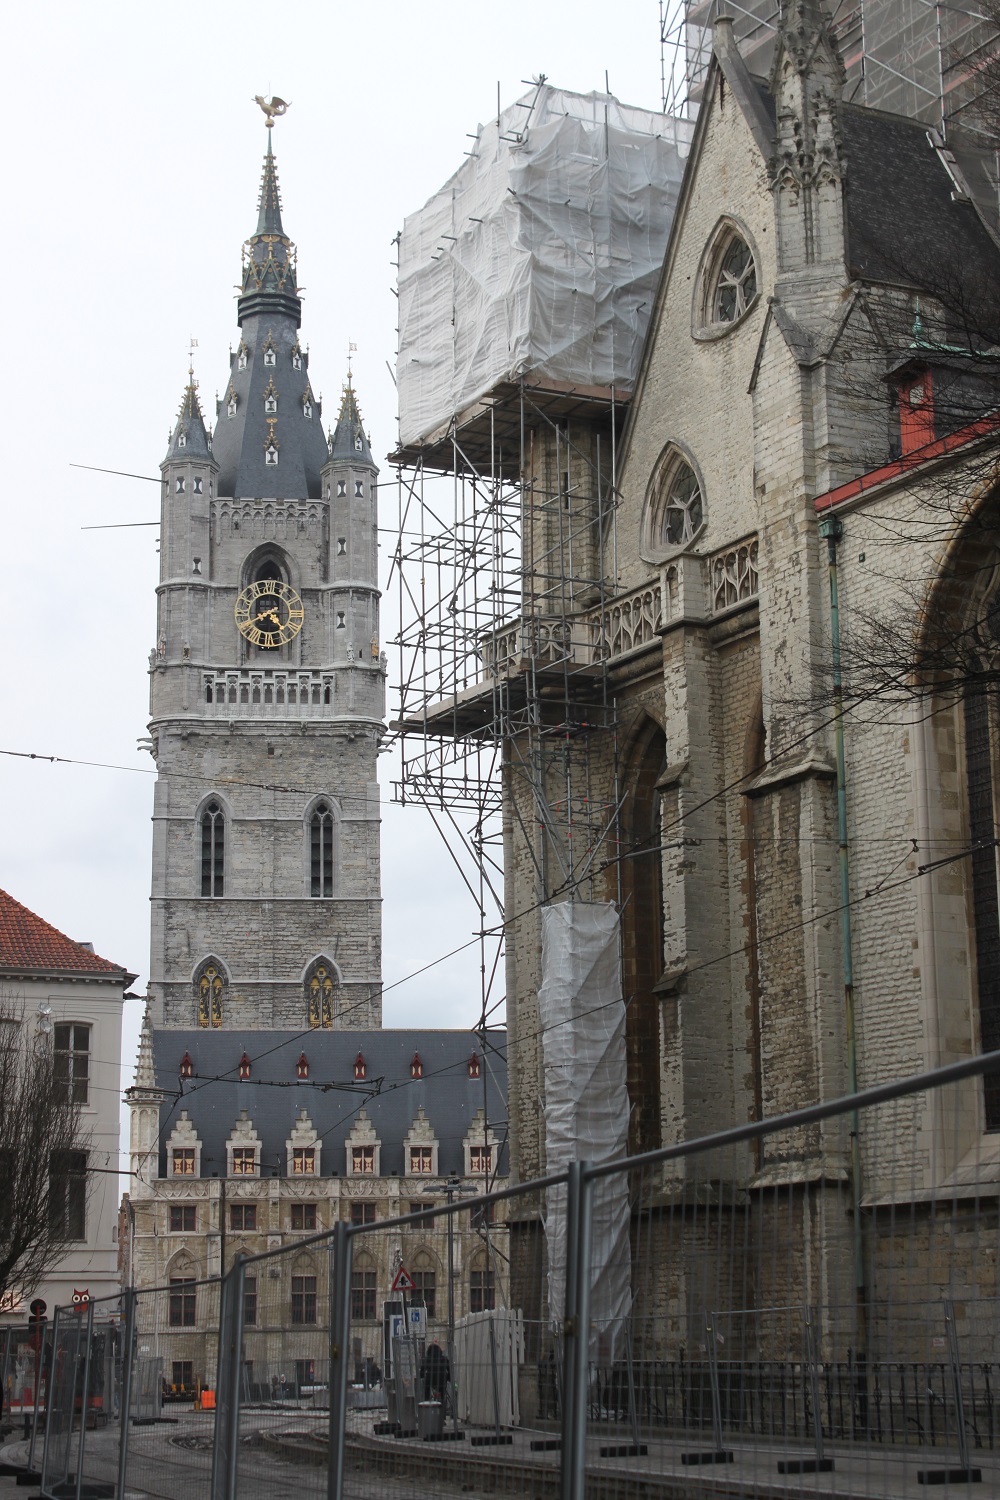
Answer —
269 613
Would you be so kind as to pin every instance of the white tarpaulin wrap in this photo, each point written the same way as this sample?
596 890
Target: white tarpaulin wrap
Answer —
586 1099
539 255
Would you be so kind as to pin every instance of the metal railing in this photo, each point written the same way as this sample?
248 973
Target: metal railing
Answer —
733 1332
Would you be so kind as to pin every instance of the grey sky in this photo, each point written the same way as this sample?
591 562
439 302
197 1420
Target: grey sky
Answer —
133 155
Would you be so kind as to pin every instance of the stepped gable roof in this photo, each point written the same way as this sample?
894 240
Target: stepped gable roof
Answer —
273 1097
30 944
263 410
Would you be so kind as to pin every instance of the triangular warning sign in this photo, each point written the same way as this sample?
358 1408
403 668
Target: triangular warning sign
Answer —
403 1281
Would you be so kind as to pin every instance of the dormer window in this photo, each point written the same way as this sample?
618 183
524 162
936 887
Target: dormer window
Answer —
416 1066
244 1068
271 454
187 1066
296 358
231 408
269 354
182 441
474 1065
241 358
197 484
270 400
358 446
302 1066
307 409
360 1067
180 484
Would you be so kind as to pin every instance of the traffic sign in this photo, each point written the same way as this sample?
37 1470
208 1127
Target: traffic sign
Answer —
403 1281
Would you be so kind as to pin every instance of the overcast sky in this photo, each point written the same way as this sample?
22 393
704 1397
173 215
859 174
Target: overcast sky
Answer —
133 155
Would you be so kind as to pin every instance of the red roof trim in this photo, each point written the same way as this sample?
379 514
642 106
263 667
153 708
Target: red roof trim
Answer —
28 942
929 451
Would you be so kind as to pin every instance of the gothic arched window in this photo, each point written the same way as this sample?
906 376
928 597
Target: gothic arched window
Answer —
213 851
210 992
321 849
674 512
728 283
320 985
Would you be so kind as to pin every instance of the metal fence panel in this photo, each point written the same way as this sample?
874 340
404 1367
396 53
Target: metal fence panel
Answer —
787 1320
174 1351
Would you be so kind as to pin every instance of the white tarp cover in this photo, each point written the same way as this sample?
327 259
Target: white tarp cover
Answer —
474 1367
539 255
582 1018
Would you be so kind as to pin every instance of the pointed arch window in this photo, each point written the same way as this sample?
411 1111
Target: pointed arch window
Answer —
674 512
319 995
210 992
321 850
213 851
728 284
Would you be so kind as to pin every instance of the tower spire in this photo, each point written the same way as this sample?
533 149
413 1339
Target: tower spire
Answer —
189 438
348 439
269 207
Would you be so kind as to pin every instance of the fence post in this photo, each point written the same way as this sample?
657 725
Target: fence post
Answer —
125 1394
226 1448
84 1397
340 1330
956 1380
576 1332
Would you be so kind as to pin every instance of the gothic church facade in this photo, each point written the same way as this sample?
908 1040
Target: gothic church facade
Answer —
810 239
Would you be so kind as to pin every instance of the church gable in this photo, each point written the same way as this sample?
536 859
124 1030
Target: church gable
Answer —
691 398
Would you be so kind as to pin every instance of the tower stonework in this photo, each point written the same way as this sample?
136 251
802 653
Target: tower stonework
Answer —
267 689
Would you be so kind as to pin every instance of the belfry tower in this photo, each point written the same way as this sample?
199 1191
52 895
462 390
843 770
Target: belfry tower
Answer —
267 688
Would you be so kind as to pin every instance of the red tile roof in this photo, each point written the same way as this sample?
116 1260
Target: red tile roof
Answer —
26 942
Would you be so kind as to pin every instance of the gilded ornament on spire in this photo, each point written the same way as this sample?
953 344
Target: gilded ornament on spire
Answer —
273 108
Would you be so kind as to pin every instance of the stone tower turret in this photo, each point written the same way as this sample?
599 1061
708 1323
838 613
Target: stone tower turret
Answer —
267 688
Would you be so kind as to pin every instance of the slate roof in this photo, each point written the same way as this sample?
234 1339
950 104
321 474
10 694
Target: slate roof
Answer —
273 1098
269 314
349 432
190 425
903 222
27 943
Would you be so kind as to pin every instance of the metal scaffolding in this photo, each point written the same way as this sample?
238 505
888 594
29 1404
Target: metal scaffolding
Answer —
910 57
502 597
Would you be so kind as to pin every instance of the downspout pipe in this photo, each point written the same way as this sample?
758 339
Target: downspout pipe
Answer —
831 529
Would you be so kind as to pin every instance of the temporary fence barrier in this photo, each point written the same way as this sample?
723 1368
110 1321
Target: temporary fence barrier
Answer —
788 1316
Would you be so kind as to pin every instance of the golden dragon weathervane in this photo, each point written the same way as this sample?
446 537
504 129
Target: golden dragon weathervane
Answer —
273 108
